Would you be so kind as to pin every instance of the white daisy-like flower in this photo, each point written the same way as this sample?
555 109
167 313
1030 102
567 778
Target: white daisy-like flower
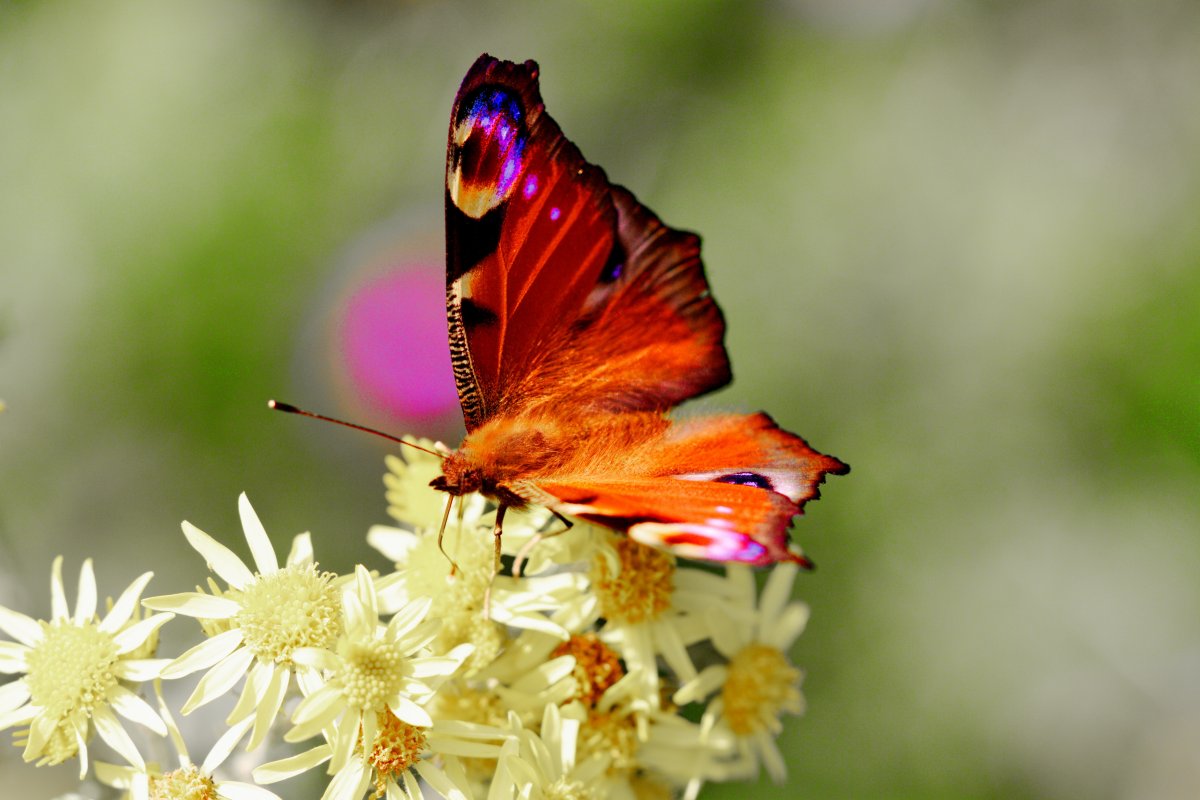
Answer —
188 781
650 608
542 765
256 624
758 683
373 669
77 670
394 757
458 576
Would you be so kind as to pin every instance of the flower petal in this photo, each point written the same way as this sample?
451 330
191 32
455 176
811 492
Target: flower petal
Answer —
256 537
408 711
110 730
205 654
776 593
407 618
123 609
302 549
349 783
314 713
224 746
58 595
284 768
12 658
136 634
236 790
440 782
220 558
219 679
85 597
269 704
13 695
135 709
194 604
137 670
25 630
787 628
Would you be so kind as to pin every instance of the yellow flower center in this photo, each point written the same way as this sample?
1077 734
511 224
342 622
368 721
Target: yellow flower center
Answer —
641 589
596 666
70 673
761 685
373 671
612 735
294 607
185 783
563 789
397 747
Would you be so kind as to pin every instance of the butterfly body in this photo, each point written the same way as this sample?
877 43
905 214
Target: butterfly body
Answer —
577 321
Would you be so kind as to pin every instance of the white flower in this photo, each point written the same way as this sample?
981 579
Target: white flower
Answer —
77 670
188 782
373 669
542 765
256 624
759 682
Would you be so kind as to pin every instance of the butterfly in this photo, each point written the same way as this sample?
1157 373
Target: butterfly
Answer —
577 321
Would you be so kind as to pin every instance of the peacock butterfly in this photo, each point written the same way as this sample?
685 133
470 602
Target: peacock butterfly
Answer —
577 320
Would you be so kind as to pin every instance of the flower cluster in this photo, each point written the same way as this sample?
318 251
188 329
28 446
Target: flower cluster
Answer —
589 666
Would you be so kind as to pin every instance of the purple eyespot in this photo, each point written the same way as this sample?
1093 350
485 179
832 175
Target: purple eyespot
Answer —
746 479
555 213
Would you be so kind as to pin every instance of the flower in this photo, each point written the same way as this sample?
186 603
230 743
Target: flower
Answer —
650 607
372 669
388 759
257 624
758 683
542 765
77 672
188 782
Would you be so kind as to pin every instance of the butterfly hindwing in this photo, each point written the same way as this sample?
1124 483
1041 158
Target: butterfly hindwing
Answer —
721 488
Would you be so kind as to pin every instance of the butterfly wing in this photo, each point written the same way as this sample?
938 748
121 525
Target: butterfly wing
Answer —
721 488
558 282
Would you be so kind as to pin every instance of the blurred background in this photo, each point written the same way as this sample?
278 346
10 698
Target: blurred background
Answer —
956 244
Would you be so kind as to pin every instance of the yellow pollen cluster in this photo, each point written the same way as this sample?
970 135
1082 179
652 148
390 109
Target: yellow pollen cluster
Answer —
294 607
761 685
185 783
563 789
612 735
641 590
596 666
397 747
460 607
373 672
69 674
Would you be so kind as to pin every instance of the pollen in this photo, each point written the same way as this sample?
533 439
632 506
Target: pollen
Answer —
186 783
71 673
641 590
374 671
564 789
761 685
612 735
294 607
397 747
460 606
596 666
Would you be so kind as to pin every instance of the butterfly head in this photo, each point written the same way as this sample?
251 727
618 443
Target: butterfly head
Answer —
459 476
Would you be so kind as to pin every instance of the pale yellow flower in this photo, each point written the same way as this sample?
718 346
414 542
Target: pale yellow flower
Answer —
188 781
77 670
758 683
256 624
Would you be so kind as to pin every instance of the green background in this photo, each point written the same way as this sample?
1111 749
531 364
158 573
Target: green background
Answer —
956 244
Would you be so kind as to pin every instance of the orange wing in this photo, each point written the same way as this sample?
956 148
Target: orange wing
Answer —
722 488
558 283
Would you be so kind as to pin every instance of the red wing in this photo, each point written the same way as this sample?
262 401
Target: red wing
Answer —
722 488
557 281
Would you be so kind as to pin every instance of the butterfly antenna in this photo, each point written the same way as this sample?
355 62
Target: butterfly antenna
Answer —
291 409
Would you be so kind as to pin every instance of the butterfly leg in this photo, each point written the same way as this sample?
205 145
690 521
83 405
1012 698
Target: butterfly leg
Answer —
497 532
527 548
442 532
